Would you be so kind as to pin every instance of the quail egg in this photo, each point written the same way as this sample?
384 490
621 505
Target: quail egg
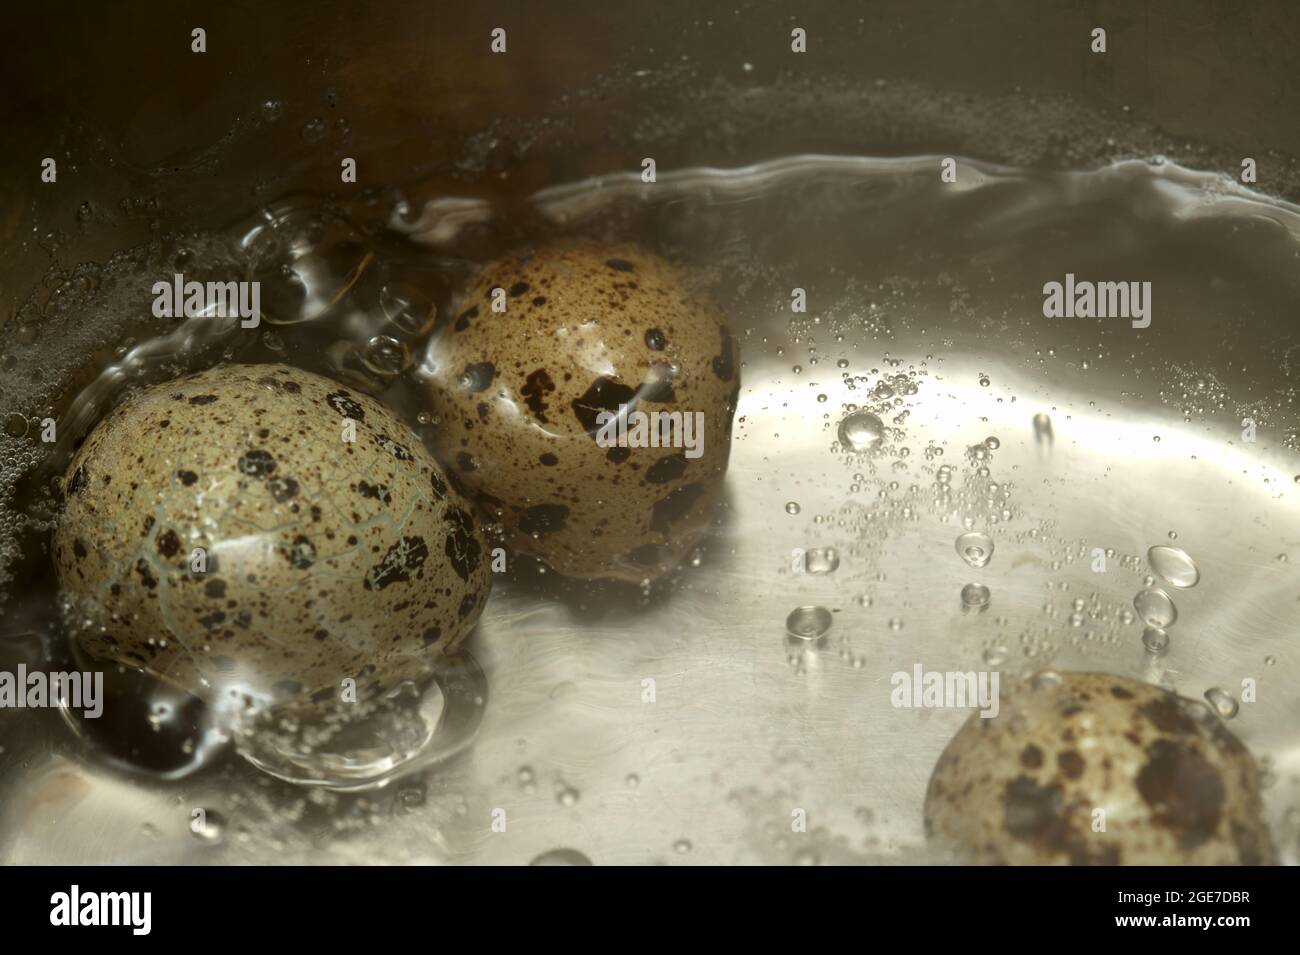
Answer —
584 395
1094 769
262 531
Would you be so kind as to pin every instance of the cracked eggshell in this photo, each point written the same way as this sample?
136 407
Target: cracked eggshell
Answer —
518 397
1023 787
219 531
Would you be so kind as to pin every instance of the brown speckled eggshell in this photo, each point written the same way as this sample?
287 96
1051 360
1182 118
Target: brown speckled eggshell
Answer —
325 559
1021 788
516 393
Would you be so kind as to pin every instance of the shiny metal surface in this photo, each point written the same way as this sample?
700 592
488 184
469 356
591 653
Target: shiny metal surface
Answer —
745 729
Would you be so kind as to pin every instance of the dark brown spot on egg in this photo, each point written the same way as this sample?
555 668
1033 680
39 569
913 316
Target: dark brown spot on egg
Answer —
1032 812
544 519
1168 716
438 485
549 460
187 477
282 488
666 469
395 448
620 265
216 589
1071 764
146 576
76 482
519 288
342 402
301 553
1184 791
257 463
465 317
203 399
168 543
462 547
1031 757
536 387
377 492
603 395
404 558
674 506
431 635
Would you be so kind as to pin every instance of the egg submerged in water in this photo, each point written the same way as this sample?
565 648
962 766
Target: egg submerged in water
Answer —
584 396
260 531
1094 769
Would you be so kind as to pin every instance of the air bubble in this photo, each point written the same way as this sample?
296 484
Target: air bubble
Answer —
808 623
975 548
1156 608
861 431
1174 565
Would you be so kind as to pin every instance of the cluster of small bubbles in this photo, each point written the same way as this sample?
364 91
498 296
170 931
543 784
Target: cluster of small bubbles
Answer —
1223 702
313 131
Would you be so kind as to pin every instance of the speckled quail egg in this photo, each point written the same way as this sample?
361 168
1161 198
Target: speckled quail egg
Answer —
546 408
1094 769
262 530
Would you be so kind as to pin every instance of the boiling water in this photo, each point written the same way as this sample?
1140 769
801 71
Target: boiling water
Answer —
926 470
